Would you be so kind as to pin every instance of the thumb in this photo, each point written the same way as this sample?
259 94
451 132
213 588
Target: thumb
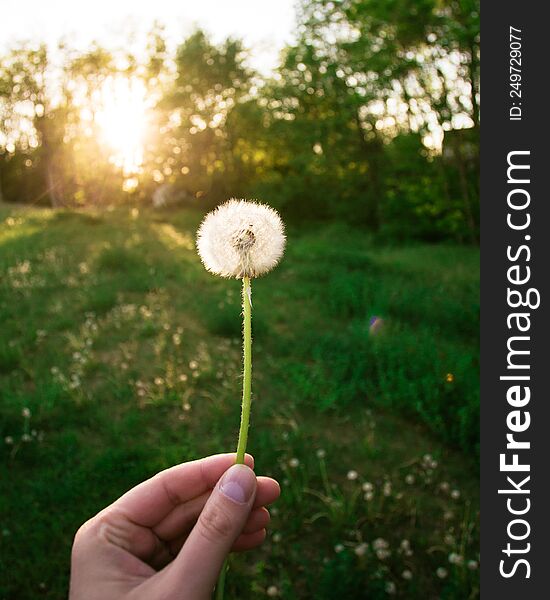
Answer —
199 562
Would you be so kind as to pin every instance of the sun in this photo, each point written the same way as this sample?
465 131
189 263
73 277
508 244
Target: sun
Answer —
122 120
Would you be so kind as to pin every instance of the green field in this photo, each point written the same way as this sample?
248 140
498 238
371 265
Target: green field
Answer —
127 355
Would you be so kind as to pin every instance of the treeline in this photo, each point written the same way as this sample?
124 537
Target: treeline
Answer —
372 117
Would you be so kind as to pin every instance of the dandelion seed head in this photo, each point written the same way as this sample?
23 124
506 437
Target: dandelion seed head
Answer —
449 539
382 554
390 588
241 239
380 544
361 549
455 559
352 475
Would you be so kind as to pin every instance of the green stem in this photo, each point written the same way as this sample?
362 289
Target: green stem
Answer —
247 370
246 402
221 581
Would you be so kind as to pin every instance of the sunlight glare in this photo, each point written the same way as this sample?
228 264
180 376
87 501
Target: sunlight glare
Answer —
122 119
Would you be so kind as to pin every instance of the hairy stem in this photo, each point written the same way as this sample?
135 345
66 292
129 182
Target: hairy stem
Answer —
247 370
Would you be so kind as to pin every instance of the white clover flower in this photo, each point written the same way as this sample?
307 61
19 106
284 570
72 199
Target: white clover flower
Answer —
352 475
472 565
441 573
272 591
26 413
241 239
407 574
338 548
367 486
321 453
455 494
409 479
294 462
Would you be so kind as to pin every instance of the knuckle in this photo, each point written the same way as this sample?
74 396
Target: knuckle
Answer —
215 523
94 528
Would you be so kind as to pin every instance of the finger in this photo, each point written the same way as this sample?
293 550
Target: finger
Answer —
268 491
149 502
259 519
180 521
219 525
247 541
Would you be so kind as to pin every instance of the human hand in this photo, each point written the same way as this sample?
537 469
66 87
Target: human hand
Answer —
168 537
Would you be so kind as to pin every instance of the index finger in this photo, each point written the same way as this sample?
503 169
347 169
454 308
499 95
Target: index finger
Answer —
149 502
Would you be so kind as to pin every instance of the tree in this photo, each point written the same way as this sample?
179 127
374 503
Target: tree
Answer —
200 142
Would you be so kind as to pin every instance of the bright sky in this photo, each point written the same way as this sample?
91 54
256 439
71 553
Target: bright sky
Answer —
265 25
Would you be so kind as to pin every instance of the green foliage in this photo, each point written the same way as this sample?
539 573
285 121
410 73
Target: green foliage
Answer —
348 127
127 355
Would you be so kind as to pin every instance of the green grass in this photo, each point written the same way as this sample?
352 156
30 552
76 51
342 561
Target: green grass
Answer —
127 354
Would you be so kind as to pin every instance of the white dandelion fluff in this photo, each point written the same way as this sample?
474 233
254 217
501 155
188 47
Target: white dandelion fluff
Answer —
241 239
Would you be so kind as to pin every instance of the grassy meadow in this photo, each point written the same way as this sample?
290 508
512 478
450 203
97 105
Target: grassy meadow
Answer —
120 356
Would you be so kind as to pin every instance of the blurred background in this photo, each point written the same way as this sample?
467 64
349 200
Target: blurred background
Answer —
121 124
